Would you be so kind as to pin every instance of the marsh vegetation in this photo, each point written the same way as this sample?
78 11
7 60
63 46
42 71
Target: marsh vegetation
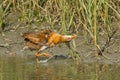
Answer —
85 17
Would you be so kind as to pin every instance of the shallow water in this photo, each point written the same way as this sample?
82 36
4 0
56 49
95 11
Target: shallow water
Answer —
24 68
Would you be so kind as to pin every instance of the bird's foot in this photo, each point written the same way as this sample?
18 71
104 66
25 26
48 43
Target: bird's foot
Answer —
46 60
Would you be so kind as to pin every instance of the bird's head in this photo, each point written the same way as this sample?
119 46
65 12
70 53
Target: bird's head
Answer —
67 38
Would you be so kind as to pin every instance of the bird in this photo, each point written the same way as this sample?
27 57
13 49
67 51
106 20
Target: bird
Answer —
43 39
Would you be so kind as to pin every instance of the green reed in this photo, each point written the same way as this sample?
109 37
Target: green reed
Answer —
4 10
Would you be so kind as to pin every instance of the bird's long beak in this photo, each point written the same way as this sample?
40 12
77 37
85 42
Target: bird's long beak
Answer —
69 37
73 36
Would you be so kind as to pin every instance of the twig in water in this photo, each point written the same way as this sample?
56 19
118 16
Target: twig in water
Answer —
102 49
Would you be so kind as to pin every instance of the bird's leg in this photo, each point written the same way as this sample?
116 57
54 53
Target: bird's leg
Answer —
36 55
45 54
42 54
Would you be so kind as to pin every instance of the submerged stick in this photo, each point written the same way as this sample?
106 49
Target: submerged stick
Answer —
100 52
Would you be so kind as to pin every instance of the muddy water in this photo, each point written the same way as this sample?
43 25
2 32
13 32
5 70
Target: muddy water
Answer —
24 68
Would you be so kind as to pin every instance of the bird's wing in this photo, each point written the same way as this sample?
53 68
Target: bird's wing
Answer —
32 46
37 37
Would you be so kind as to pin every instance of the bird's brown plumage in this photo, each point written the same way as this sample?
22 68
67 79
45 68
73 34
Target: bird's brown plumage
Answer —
43 39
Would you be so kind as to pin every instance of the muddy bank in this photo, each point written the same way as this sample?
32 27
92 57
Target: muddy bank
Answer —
12 43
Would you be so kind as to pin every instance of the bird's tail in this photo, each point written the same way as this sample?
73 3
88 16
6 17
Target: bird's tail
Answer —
25 35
